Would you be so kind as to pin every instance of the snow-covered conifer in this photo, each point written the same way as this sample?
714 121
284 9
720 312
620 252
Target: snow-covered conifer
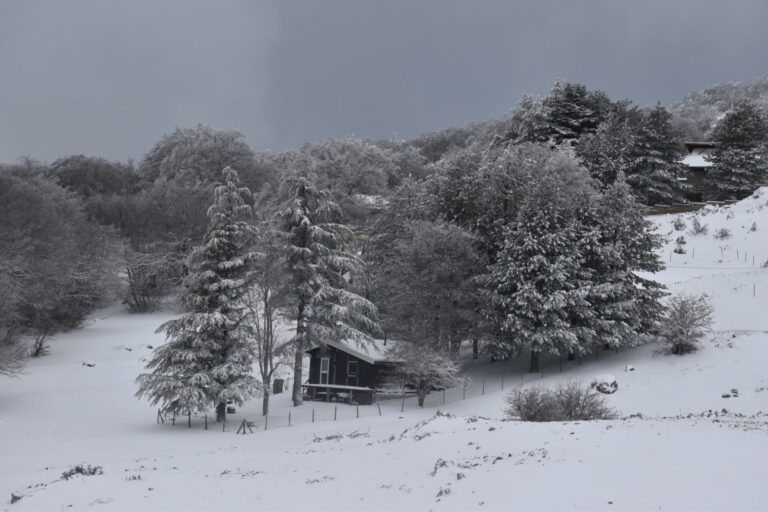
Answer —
208 359
322 268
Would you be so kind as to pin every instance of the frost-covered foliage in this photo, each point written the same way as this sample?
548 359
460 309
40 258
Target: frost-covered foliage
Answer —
643 145
56 265
740 160
698 113
687 319
722 234
571 401
424 369
566 278
697 228
422 276
323 271
208 358
679 223
569 111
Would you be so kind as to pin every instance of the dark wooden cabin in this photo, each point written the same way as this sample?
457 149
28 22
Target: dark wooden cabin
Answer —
348 372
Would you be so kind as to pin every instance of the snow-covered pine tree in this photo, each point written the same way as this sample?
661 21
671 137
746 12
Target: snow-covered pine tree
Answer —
657 154
572 111
321 266
624 305
537 286
611 149
207 359
740 160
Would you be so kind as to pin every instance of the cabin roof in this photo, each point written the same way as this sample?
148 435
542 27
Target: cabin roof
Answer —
696 158
371 351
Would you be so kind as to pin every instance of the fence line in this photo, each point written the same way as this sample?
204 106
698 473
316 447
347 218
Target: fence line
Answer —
328 412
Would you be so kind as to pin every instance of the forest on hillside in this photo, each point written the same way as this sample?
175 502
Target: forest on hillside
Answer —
523 232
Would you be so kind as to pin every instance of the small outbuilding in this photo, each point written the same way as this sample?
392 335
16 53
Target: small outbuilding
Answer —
696 164
349 371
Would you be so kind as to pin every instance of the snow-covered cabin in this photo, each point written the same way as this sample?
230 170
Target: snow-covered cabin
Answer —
348 370
697 165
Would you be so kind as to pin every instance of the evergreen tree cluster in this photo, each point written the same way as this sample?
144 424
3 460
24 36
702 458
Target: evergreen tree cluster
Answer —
740 159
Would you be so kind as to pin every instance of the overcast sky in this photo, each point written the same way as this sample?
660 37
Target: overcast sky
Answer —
108 78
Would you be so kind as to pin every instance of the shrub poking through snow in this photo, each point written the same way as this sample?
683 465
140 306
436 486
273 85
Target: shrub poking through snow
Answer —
723 234
754 227
566 402
82 469
698 228
678 223
680 247
686 321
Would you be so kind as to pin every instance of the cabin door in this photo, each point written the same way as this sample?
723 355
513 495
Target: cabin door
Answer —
325 366
352 373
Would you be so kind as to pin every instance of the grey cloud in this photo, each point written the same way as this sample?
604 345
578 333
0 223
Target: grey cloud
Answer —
109 78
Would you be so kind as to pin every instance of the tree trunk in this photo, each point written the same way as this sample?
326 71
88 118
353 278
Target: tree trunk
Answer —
265 400
534 367
475 349
571 356
422 395
221 412
298 396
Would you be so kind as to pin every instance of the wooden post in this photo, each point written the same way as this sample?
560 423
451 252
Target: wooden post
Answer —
289 418
334 412
266 422
483 387
402 405
379 406
357 411
173 419
189 419
313 415
206 422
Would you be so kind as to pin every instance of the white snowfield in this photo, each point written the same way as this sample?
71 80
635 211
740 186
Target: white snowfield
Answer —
682 452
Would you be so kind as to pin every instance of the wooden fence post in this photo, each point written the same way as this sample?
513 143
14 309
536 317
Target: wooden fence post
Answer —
173 419
313 415
334 412
289 418
189 419
483 387
206 422
266 422
357 411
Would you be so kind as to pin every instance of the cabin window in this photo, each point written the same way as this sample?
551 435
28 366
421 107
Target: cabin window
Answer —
352 371
325 365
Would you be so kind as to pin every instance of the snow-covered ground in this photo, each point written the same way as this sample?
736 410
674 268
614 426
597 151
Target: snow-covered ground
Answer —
684 453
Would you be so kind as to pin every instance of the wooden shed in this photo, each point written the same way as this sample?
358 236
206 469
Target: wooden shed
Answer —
347 371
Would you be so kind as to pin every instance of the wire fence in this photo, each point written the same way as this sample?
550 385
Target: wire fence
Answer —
385 405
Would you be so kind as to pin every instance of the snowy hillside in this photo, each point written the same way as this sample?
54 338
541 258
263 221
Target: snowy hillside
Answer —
679 445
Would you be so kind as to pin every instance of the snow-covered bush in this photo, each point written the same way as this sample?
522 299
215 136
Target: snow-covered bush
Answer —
723 234
679 248
754 227
679 223
424 369
687 319
697 228
605 384
566 402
